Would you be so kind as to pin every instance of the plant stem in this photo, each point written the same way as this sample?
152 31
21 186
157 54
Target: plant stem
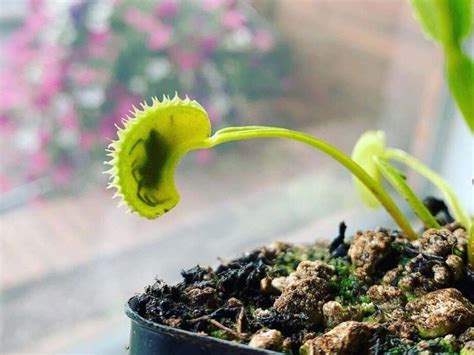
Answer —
398 181
438 181
243 133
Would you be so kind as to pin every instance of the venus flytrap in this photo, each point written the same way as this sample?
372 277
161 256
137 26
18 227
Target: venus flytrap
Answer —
370 152
154 139
148 149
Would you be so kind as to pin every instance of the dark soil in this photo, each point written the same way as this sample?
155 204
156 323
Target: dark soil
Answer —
375 288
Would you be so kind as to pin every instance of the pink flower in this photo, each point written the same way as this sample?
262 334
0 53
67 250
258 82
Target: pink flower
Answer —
19 53
69 121
263 40
50 86
167 8
11 90
98 42
160 37
140 21
7 128
186 59
87 140
52 77
85 76
233 19
44 136
5 183
211 5
39 162
36 5
35 22
209 44
62 175
99 37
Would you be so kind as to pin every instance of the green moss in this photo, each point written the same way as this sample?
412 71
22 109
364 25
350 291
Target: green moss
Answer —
448 346
305 350
392 345
442 346
287 262
346 287
368 308
370 319
348 290
401 349
220 334
395 346
459 252
410 296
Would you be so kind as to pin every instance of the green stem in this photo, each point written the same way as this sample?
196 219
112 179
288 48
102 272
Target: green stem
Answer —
398 181
448 193
238 129
243 133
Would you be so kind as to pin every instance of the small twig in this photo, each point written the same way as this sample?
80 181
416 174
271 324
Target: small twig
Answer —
235 334
228 330
240 320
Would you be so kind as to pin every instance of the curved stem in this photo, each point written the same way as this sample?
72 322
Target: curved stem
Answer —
398 181
242 133
438 181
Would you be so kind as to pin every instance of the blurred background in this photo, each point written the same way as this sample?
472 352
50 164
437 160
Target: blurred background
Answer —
70 70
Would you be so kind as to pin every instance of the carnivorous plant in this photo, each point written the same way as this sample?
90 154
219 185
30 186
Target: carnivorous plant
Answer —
155 138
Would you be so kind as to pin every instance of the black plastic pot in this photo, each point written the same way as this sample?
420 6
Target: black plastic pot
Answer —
148 338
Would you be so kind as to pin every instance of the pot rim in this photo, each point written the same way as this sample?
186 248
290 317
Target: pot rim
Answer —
132 304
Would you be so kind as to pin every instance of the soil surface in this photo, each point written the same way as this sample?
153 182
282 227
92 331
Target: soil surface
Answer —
377 293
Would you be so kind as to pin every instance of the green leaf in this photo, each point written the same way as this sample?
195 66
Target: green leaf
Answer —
398 181
444 21
426 12
460 73
370 144
448 22
461 13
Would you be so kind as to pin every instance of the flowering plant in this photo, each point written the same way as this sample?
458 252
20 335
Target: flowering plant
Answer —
71 72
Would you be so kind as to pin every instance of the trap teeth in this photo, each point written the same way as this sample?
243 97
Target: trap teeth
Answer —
136 126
